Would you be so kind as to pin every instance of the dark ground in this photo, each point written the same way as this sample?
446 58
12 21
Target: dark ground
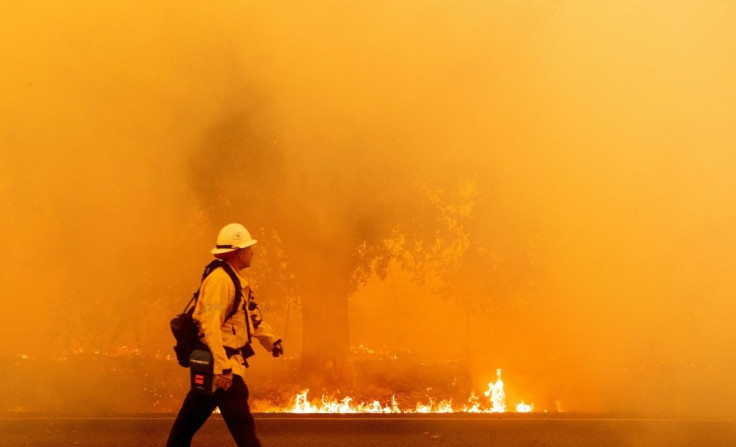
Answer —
379 431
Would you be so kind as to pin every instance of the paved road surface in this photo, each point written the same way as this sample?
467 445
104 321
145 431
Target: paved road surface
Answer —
379 431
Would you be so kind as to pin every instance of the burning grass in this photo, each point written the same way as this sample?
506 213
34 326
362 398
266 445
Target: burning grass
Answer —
96 383
494 401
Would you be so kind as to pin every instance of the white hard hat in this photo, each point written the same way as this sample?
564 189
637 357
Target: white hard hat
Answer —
232 237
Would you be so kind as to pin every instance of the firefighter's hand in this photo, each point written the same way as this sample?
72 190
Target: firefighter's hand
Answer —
277 349
224 381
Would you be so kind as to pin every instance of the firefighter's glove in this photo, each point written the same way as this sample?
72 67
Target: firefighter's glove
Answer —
278 350
224 381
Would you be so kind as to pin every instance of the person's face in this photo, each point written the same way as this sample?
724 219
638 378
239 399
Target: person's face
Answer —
245 255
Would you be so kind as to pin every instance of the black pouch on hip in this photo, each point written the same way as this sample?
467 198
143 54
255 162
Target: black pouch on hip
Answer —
201 368
247 351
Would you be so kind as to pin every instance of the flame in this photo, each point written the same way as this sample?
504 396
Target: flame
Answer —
474 404
345 405
496 403
496 394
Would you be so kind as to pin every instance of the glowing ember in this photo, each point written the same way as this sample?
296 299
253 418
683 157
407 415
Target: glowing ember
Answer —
496 403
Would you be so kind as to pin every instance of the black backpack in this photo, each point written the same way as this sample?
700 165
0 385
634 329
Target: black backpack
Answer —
184 328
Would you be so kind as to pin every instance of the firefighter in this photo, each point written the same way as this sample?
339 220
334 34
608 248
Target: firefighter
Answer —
228 339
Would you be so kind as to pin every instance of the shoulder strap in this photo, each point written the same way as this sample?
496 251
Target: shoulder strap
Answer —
238 291
238 288
195 296
238 296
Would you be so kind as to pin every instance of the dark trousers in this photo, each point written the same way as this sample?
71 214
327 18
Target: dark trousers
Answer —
233 405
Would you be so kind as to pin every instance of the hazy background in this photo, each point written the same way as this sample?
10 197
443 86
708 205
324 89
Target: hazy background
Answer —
547 187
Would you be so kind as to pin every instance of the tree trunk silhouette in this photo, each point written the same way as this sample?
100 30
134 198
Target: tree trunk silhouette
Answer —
326 326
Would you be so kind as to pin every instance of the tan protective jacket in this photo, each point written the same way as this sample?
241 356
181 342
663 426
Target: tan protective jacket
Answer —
216 299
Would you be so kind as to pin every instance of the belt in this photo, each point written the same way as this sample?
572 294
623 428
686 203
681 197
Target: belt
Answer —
231 351
246 351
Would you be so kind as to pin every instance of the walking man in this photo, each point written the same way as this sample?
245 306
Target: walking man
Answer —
226 323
